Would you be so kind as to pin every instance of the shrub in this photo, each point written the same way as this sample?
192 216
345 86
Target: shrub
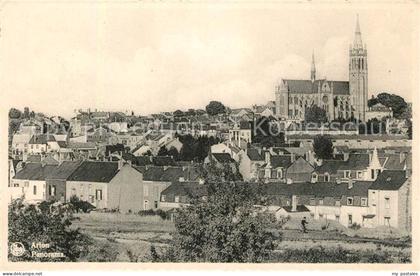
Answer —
355 226
47 223
80 205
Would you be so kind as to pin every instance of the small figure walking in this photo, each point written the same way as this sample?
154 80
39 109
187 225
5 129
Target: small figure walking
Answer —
304 222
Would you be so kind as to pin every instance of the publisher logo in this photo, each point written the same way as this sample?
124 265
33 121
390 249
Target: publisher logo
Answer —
17 249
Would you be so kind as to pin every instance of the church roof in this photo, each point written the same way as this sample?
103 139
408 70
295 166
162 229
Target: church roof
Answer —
307 87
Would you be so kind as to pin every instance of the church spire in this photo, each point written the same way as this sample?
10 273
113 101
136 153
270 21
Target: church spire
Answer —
313 70
357 44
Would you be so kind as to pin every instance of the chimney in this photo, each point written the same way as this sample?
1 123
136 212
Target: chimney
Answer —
402 156
294 203
350 184
267 157
293 157
120 164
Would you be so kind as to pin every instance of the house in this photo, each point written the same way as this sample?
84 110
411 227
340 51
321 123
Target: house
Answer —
15 166
20 142
275 167
56 181
221 160
378 111
299 171
358 166
241 134
113 185
250 161
390 200
30 182
141 150
179 194
346 203
39 143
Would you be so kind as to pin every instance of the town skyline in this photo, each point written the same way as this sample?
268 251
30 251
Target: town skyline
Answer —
164 66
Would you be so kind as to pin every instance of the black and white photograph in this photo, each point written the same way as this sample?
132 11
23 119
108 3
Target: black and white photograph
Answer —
238 133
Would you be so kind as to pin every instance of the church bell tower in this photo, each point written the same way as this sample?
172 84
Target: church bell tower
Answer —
358 75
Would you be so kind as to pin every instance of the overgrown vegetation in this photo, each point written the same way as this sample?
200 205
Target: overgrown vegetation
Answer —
45 223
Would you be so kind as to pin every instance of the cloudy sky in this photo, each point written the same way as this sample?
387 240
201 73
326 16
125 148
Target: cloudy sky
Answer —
55 58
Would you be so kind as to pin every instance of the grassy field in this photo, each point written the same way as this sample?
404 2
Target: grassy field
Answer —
121 237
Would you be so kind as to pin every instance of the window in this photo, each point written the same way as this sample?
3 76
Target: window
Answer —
321 202
146 205
91 199
337 203
162 198
312 201
350 201
347 174
26 183
98 194
321 216
372 173
51 190
176 198
359 175
34 190
156 204
350 217
326 177
15 184
337 217
387 203
363 201
386 220
145 191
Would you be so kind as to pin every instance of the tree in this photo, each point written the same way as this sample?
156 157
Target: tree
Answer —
410 129
373 126
178 113
46 223
174 153
266 133
14 113
395 102
222 228
26 112
323 147
162 151
215 108
315 114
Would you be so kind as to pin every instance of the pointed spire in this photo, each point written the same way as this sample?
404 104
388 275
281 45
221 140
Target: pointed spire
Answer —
357 44
313 69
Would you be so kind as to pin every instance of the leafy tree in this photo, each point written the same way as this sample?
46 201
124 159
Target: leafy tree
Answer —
410 129
222 228
372 101
395 102
215 108
178 113
174 153
373 126
14 113
195 148
162 151
323 147
315 114
265 132
47 223
26 113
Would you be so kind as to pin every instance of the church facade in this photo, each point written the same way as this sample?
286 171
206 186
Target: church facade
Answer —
340 99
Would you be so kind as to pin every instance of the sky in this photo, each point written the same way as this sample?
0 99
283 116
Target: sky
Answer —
56 58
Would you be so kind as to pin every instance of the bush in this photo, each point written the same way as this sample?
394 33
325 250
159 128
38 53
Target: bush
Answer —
46 223
355 226
162 214
80 205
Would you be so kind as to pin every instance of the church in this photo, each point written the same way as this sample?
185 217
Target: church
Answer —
340 99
